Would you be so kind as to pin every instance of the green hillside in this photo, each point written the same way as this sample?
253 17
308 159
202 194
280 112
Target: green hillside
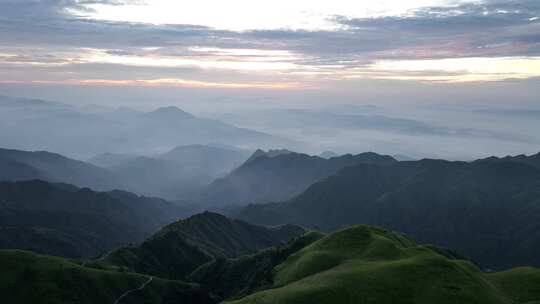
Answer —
181 247
237 277
32 278
371 265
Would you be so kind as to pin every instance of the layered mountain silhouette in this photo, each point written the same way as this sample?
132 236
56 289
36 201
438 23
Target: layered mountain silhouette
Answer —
173 175
278 175
83 133
178 249
488 210
178 173
65 220
18 165
196 261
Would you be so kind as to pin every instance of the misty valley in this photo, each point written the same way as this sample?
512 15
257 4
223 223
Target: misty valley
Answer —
269 152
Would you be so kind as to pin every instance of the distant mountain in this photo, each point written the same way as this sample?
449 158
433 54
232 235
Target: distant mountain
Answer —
403 157
269 178
328 154
178 249
25 165
487 210
168 114
215 161
371 265
178 173
11 170
270 153
84 133
15 102
106 160
64 220
533 160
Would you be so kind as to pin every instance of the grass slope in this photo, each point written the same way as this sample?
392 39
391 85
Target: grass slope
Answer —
370 265
32 278
237 277
178 249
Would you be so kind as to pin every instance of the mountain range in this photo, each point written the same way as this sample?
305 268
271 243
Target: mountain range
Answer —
82 133
16 165
175 174
278 175
488 210
65 220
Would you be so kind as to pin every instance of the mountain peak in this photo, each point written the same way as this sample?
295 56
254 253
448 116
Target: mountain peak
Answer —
170 113
270 153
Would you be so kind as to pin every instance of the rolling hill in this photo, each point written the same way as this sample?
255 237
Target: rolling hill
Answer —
371 265
486 210
33 278
359 264
178 249
272 177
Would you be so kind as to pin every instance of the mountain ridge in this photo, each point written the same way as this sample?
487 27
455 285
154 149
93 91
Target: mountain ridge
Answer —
486 210
268 179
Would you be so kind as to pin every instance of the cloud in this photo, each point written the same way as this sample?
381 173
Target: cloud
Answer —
49 33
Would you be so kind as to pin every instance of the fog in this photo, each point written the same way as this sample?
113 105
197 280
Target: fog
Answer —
452 121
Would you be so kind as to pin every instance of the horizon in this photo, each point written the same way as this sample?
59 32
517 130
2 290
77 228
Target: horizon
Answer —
432 78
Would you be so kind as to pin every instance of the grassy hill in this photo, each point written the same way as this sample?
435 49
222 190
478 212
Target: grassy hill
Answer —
178 249
32 278
360 264
237 277
371 265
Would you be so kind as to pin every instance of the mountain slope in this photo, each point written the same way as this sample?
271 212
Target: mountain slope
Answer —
67 221
371 265
533 160
56 168
32 278
267 178
489 211
83 133
11 170
237 277
179 172
178 249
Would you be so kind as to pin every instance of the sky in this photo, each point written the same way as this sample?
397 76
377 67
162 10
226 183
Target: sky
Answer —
215 57
266 44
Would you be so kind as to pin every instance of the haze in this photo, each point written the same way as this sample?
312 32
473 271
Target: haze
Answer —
443 79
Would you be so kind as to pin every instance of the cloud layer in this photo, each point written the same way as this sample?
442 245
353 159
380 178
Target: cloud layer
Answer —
55 41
